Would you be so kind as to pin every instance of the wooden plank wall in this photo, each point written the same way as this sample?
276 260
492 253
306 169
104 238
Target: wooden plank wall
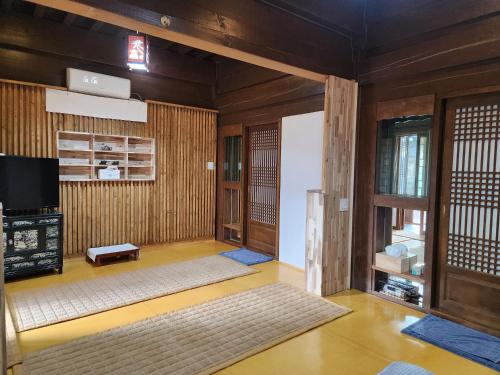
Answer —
179 205
250 95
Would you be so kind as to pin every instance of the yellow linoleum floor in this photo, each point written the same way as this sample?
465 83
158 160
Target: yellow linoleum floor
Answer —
363 342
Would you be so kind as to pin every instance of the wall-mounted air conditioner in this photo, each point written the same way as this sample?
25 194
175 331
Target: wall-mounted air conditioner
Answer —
97 84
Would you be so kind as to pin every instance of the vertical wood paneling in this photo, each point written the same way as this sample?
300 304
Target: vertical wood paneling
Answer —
338 172
178 205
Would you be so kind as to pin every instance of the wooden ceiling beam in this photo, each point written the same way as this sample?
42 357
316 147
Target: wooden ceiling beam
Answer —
69 19
39 11
7 5
96 26
239 30
27 33
183 50
343 17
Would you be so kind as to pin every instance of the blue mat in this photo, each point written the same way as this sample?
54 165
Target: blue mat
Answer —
402 368
246 256
466 342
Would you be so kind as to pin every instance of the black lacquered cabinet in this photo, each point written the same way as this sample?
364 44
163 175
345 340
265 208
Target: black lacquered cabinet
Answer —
32 244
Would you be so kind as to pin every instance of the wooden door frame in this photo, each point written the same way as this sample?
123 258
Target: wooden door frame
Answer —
247 128
227 131
442 202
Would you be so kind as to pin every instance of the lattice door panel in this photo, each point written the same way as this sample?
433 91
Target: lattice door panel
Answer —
474 190
263 175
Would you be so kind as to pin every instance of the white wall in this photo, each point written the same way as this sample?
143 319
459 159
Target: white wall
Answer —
301 167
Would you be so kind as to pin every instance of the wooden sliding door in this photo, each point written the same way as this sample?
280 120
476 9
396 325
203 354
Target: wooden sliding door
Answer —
469 251
263 145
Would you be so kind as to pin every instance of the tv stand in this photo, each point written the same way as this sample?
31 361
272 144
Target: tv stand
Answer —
33 243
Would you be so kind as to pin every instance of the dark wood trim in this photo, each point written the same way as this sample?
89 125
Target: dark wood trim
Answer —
222 132
433 219
392 201
391 25
420 105
232 29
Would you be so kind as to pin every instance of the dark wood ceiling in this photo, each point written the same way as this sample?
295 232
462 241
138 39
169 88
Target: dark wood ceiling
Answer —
87 24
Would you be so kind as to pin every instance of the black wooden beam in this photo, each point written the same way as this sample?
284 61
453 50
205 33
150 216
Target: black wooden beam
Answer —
340 16
39 11
7 5
244 25
69 19
96 26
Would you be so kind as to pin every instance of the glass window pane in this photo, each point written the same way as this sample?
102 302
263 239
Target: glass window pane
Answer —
232 158
403 156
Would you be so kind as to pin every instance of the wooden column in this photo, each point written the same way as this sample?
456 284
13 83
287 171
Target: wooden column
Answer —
337 187
3 348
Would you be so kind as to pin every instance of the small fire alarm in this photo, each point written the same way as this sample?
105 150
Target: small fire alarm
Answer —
165 21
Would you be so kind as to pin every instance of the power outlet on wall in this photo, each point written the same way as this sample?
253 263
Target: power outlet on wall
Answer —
344 205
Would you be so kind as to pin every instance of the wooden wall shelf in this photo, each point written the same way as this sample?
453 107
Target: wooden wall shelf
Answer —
418 279
81 154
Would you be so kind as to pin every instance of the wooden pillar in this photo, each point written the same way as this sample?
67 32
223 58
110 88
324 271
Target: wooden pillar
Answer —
3 348
314 241
337 191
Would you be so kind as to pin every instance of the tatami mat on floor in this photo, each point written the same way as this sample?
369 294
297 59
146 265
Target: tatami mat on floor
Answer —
360 343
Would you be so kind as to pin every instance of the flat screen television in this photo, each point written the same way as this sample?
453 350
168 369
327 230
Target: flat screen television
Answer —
29 183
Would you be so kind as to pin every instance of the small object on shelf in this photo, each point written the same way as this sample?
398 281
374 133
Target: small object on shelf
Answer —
109 173
417 269
96 255
397 250
395 264
404 291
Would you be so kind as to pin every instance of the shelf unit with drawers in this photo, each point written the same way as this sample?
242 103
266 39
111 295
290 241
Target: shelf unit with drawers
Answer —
32 244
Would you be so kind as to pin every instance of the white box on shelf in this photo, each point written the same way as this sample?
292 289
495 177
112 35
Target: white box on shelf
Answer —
109 174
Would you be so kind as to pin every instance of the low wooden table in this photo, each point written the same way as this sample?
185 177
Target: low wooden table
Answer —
97 255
